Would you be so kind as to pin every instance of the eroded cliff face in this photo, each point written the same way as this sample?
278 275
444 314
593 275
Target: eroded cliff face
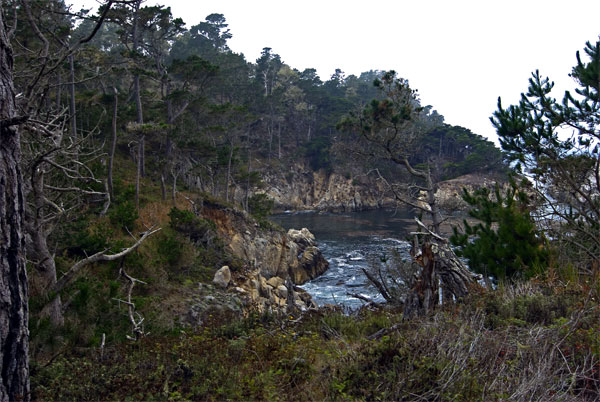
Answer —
301 188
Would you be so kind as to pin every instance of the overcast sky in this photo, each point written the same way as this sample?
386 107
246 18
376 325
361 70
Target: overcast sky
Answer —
460 54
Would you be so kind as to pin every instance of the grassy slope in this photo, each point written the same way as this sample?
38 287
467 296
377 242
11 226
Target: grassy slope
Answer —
536 341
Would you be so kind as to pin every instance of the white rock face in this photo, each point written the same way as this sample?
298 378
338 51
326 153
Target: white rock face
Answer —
222 277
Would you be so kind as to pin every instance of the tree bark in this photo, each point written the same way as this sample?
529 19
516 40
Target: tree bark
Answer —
38 252
228 180
136 89
113 145
72 98
138 172
14 334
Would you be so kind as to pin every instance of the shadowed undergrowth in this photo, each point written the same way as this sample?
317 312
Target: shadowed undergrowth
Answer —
535 341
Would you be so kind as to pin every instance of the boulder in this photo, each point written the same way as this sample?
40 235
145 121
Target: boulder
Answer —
303 236
282 291
275 282
311 264
222 277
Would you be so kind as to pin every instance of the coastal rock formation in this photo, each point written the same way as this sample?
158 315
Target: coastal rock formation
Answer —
449 193
302 188
274 263
271 251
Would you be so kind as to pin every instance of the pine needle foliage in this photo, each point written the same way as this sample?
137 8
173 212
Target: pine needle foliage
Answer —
505 243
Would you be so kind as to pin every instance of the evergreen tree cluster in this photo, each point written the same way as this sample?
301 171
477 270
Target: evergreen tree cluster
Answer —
505 242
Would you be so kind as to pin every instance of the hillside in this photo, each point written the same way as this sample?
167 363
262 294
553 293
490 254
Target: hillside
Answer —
140 161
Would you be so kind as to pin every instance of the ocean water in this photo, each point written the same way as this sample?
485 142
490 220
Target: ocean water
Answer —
350 242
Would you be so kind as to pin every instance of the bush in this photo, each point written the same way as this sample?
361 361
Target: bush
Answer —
170 247
198 230
124 214
84 237
506 243
260 206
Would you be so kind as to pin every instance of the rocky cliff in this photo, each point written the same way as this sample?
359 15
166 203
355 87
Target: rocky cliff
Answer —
301 188
270 250
274 263
449 193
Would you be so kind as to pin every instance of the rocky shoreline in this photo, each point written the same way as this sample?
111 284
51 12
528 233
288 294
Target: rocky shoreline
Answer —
275 263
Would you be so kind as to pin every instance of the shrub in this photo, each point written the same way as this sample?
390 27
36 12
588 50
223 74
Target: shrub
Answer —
505 244
198 230
260 206
170 247
124 214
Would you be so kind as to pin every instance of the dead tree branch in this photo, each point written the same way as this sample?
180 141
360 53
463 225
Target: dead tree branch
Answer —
69 276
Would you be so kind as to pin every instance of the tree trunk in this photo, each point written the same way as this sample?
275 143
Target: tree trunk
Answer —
136 90
14 334
39 254
423 296
440 265
279 141
163 186
169 144
436 215
227 181
174 189
59 91
113 145
138 172
72 98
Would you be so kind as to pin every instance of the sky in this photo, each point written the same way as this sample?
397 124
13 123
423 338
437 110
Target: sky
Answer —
461 55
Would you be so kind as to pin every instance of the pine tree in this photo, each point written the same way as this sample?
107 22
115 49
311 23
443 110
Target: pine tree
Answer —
556 144
505 243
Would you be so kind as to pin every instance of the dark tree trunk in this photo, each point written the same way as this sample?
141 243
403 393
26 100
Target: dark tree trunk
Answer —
136 89
14 334
139 171
169 143
228 179
72 98
113 145
38 252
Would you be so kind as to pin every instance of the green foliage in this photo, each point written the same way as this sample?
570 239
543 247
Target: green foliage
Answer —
505 244
565 167
198 230
82 237
169 246
260 206
124 214
318 153
459 152
482 350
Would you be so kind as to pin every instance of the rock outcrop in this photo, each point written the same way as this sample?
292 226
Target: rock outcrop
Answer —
222 277
304 189
275 262
273 252
449 193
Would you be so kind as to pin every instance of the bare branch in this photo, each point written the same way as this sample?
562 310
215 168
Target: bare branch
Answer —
69 276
